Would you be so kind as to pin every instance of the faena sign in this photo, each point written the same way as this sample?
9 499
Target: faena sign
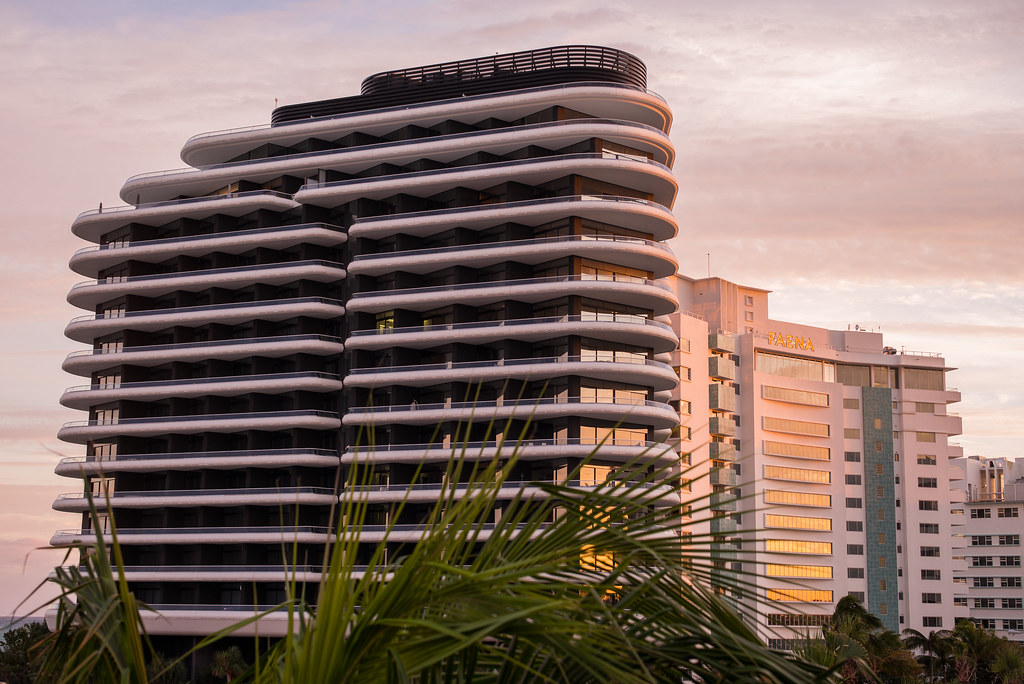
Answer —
791 341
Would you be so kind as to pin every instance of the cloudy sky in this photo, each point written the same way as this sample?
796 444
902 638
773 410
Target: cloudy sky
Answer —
864 160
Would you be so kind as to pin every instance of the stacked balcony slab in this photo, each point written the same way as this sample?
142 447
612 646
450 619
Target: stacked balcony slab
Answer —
373 279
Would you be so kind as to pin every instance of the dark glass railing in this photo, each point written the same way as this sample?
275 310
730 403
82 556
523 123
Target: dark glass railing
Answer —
512 205
583 318
206 344
313 185
254 491
205 416
184 201
255 453
507 363
254 268
581 278
212 307
526 403
253 232
460 249
398 108
301 375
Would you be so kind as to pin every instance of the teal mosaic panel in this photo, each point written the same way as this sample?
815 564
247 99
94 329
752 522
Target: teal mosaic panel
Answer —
880 504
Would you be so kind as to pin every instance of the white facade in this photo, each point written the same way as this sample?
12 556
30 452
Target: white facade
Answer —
994 523
842 464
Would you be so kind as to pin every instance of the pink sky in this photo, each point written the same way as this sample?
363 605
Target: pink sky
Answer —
864 160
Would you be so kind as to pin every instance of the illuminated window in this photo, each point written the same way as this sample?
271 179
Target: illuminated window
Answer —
606 435
797 522
851 433
794 396
925 436
924 407
772 472
797 620
814 571
800 595
925 459
791 367
917 378
798 546
778 496
796 427
851 403
815 453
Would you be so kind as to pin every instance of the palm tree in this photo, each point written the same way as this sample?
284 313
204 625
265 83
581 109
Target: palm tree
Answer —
582 585
935 649
974 649
1008 664
228 664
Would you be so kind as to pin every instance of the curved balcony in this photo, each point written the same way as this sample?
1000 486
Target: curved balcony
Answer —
90 225
618 450
621 328
88 328
622 289
199 535
618 249
609 167
78 466
652 413
80 432
608 100
86 361
84 396
221 573
77 502
446 148
622 368
660 494
86 295
89 261
640 215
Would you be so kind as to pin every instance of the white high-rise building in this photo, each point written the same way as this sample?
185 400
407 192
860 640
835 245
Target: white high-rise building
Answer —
838 448
460 242
994 524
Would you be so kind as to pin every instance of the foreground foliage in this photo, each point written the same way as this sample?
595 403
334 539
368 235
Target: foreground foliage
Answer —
580 584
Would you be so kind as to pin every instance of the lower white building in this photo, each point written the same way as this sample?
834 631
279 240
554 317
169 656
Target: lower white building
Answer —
838 449
993 503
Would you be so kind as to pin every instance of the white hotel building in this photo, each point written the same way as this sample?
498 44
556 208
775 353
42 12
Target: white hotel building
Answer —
994 523
838 451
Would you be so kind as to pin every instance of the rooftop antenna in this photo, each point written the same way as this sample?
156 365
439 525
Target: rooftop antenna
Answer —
709 264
